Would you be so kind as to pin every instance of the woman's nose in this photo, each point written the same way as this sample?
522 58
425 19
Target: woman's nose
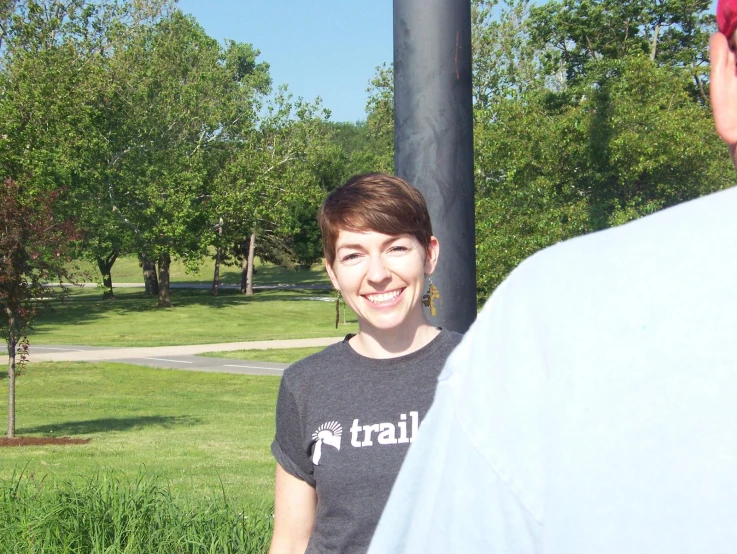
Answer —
378 270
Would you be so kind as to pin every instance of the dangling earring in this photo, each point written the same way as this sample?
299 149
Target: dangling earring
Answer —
338 298
428 300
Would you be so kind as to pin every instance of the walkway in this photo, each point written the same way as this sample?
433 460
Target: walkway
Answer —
178 357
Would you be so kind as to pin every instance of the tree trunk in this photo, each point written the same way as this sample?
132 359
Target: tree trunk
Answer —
249 267
244 272
164 294
150 282
654 44
106 265
216 276
218 255
12 343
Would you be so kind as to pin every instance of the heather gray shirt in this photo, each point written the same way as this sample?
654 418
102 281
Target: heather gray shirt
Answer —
344 423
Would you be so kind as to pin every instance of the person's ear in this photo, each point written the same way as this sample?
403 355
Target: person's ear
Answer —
331 274
431 257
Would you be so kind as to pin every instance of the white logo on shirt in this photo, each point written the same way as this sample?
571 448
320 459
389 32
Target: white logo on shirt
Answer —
328 433
386 433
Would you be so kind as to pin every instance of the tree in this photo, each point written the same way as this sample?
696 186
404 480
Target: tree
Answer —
278 170
180 90
63 112
505 61
33 244
585 128
380 120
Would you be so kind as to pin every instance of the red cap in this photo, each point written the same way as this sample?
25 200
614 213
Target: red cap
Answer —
727 17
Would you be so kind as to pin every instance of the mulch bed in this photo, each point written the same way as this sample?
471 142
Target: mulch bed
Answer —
41 441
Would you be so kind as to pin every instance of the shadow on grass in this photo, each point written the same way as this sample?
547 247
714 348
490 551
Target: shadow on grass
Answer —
271 275
110 424
84 306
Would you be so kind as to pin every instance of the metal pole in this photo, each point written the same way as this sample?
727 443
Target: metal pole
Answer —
433 139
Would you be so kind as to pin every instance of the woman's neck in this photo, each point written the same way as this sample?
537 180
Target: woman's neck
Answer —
392 343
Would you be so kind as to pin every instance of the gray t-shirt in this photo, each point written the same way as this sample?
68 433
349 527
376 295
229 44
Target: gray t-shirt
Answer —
344 423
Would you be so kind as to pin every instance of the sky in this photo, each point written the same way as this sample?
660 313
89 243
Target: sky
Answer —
325 48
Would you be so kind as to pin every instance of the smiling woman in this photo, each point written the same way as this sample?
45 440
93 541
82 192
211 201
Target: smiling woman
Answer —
381 277
347 415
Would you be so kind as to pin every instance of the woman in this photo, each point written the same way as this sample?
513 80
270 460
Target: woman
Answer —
346 416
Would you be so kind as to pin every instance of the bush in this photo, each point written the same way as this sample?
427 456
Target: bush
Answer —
110 514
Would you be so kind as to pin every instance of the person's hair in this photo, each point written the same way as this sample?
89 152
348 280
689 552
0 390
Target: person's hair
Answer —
374 202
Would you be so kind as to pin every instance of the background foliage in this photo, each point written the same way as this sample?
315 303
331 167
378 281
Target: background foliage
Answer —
587 114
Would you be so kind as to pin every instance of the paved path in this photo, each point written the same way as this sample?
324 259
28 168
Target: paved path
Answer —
178 357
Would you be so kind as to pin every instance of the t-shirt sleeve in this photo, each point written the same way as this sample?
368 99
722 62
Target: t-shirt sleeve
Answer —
289 445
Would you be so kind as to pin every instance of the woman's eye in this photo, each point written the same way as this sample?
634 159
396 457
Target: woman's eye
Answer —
398 248
349 257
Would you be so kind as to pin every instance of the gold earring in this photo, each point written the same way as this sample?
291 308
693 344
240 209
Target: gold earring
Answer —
338 298
428 300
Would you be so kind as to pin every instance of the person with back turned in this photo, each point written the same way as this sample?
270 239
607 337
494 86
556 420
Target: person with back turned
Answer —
592 407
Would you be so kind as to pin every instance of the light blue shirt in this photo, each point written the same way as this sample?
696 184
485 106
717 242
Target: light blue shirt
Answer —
592 407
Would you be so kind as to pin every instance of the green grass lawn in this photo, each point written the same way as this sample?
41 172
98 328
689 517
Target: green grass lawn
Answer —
279 355
195 431
127 270
197 318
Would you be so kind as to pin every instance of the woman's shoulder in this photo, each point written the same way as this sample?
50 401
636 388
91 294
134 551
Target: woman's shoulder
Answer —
316 363
448 340
451 336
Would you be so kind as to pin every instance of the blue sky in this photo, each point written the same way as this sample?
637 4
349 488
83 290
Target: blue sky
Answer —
325 48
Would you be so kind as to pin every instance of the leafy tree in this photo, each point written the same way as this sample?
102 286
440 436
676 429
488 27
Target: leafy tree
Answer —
66 128
33 248
171 114
277 172
583 32
593 129
380 120
178 89
505 61
126 107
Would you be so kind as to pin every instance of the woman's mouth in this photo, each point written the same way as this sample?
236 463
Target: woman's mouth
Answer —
383 298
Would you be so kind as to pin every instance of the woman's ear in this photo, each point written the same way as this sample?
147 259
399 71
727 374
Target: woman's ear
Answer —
431 257
331 274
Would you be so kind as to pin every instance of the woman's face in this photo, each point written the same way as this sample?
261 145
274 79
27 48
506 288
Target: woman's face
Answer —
381 277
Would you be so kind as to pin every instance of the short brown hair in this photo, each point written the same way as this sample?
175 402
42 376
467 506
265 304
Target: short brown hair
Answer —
374 202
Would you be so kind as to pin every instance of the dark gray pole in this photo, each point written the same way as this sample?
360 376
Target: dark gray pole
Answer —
433 139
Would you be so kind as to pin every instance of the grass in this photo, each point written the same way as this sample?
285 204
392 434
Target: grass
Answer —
278 355
178 461
197 318
127 270
110 514
200 433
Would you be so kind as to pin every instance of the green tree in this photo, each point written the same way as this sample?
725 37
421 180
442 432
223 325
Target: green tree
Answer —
505 61
126 107
578 34
60 79
380 120
278 169
181 90
593 129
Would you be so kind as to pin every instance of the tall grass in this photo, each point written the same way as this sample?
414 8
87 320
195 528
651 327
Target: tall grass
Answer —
112 514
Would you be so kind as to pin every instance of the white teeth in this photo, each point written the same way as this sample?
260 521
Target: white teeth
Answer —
383 297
